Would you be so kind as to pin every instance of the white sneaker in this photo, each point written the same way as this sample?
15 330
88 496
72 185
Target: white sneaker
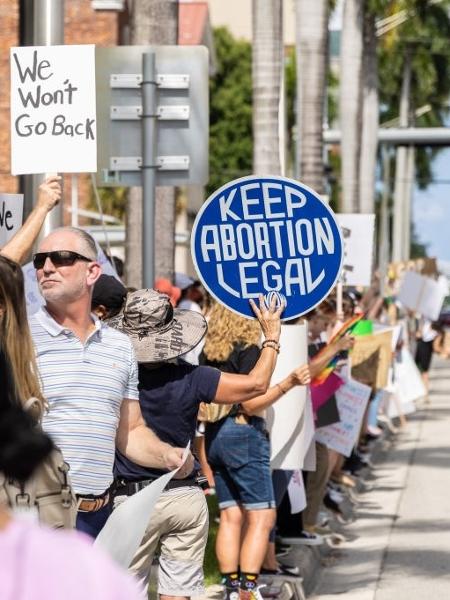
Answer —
304 539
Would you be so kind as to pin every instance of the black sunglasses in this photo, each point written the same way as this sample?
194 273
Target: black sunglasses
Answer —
60 258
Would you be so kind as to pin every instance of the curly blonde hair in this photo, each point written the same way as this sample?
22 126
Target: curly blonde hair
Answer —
225 330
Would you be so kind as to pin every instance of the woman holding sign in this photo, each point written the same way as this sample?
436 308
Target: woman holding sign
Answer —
238 450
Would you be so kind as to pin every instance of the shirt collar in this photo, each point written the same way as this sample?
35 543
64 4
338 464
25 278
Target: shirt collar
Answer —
54 328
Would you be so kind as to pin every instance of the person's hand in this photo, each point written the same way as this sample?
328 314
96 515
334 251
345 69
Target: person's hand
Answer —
301 375
49 193
346 343
269 318
173 459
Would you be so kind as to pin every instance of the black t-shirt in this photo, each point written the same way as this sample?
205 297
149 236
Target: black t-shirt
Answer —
169 397
241 360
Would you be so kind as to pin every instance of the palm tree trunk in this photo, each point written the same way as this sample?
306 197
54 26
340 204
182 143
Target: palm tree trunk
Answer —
408 198
152 22
370 118
398 242
350 100
312 46
267 61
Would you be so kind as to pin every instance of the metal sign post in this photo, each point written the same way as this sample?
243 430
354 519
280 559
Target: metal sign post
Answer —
149 136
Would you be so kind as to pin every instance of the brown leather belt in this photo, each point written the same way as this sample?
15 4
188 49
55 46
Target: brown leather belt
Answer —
92 504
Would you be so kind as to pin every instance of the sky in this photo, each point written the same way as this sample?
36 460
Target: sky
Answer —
431 209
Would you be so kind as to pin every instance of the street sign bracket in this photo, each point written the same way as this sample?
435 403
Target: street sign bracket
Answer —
164 81
163 113
163 163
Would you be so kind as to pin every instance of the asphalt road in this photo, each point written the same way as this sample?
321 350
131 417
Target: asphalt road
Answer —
400 544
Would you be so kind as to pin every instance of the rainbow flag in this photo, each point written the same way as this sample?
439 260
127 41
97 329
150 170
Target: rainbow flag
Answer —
347 327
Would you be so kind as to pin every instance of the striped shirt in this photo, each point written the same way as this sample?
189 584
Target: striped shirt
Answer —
84 386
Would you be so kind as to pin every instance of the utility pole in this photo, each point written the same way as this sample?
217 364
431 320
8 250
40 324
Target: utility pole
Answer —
48 30
401 211
152 22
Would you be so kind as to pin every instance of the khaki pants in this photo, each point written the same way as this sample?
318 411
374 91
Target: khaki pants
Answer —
316 482
179 524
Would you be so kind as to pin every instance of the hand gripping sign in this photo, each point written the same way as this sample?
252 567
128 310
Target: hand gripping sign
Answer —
257 235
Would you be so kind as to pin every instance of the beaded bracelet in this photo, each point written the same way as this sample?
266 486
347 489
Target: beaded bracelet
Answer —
272 344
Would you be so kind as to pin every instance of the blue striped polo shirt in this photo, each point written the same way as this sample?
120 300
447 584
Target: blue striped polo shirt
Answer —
84 386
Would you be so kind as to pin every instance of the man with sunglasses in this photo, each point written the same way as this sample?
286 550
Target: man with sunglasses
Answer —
89 377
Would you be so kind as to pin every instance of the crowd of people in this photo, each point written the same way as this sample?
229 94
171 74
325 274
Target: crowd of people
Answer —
105 387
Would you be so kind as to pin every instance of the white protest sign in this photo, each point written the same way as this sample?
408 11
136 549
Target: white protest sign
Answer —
53 110
125 527
358 234
11 214
423 294
290 420
297 493
408 386
352 399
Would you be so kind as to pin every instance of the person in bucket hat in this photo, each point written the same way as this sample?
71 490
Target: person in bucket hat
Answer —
170 392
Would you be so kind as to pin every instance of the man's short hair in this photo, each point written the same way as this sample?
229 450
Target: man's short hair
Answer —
86 238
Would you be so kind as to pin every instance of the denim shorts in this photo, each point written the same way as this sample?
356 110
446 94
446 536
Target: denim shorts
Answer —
239 455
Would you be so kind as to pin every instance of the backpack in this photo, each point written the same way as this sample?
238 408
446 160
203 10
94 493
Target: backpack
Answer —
49 491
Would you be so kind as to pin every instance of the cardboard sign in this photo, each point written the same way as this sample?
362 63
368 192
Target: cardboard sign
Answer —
11 215
371 359
290 420
53 112
352 399
256 235
423 294
358 234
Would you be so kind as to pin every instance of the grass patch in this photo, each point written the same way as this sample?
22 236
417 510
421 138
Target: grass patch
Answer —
211 568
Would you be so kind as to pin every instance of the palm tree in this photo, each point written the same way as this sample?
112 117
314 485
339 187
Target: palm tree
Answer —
350 101
311 54
370 117
152 22
267 73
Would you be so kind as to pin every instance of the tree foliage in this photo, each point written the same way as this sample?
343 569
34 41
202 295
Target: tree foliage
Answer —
230 134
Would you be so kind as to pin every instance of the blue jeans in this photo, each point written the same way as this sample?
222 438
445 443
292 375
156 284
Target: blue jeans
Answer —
239 455
92 522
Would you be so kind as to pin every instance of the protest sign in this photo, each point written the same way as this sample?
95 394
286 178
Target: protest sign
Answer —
371 358
11 214
423 294
407 387
53 112
358 234
122 533
290 420
297 492
261 234
352 399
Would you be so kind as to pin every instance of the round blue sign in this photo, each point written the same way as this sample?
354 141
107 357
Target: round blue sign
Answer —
256 235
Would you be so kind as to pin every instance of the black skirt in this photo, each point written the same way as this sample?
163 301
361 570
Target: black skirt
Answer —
424 353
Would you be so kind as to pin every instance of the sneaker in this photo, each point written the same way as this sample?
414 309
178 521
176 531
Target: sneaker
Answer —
230 594
254 594
335 496
304 539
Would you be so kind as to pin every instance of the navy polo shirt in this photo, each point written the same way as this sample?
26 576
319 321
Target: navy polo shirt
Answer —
169 397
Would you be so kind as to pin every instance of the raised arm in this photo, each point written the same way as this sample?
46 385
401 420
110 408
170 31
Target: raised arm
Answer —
141 445
319 362
233 388
300 376
19 246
